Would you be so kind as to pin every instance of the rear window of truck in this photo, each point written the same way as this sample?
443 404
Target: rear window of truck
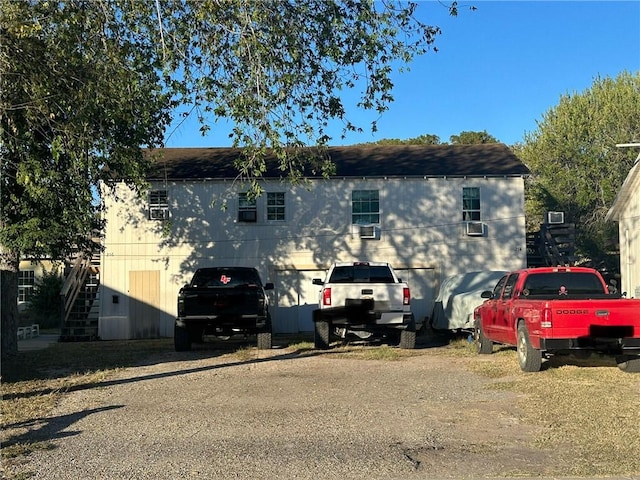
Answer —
221 277
361 274
562 283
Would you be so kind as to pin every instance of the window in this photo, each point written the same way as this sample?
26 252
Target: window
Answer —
508 288
365 207
275 206
498 288
158 205
26 281
247 210
470 204
361 274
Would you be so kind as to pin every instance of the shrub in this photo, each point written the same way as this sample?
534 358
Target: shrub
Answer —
44 304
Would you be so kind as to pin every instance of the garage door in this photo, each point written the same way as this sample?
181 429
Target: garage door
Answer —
422 283
295 299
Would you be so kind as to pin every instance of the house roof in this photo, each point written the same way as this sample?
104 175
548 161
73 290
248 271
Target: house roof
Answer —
494 159
630 186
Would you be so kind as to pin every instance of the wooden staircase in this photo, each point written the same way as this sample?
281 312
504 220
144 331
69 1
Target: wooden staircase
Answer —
553 245
79 299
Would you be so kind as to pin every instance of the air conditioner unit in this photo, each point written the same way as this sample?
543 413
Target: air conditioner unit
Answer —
247 216
368 231
475 229
158 213
555 218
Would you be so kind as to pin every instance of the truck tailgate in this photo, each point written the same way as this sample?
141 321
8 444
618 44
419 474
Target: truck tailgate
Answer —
613 318
219 301
388 296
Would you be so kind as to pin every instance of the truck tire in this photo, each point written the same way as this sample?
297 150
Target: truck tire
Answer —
321 334
408 339
181 339
408 336
483 344
628 363
529 358
264 337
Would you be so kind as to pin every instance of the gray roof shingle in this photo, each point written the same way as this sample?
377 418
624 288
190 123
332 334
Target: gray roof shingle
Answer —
491 159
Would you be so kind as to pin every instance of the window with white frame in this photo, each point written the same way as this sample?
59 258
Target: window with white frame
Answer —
275 206
247 208
471 204
365 207
158 205
26 281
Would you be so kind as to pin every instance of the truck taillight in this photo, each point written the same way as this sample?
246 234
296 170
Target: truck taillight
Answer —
326 296
406 296
545 321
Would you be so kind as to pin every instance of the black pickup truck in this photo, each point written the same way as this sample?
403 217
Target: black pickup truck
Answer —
221 302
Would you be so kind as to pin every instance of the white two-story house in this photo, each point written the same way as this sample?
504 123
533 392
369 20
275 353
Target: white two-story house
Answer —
429 210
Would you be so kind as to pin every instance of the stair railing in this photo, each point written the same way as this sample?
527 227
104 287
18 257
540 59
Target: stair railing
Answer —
73 285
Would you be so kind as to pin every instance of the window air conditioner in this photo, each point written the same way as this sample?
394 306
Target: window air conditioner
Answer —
158 213
368 231
555 218
247 216
475 229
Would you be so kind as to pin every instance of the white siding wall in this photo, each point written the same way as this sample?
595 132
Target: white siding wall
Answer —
629 225
421 228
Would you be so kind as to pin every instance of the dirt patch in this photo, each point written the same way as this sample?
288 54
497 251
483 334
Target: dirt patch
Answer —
291 413
362 411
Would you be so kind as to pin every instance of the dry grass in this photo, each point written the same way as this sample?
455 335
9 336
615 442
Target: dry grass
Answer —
587 410
595 410
33 382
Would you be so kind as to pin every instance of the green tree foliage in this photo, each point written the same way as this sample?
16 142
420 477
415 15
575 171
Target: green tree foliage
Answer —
84 85
78 99
575 165
426 139
44 303
471 137
463 138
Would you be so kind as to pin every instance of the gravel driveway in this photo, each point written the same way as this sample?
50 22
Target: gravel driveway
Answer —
282 414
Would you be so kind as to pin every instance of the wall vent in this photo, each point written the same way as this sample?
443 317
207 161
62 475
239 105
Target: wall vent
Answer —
158 213
475 229
247 216
555 218
369 231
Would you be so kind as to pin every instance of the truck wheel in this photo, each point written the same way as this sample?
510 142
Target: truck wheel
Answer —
529 358
181 339
264 337
321 335
483 344
408 336
408 339
628 363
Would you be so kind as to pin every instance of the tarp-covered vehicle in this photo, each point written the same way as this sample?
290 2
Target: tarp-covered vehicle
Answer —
459 296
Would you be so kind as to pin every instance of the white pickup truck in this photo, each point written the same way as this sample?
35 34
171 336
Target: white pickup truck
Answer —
366 299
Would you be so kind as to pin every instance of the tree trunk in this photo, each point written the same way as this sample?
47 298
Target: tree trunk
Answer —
9 267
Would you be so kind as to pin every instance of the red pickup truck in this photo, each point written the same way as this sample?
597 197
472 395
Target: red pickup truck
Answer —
558 310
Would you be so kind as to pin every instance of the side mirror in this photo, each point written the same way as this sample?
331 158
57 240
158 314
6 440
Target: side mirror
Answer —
268 286
486 294
317 281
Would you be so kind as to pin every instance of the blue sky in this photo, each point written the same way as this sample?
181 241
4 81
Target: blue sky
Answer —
498 68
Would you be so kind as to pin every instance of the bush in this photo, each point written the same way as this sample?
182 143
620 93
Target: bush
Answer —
44 304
